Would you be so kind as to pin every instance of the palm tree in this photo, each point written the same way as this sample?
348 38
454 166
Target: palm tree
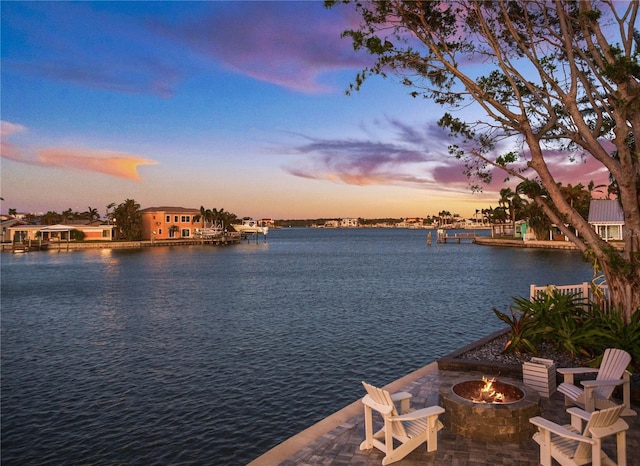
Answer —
92 214
173 229
219 216
205 215
129 220
578 197
12 213
67 215
110 215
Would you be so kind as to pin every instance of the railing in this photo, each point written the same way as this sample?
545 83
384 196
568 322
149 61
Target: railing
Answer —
596 291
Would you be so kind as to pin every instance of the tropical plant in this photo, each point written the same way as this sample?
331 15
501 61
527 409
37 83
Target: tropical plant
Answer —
616 333
562 79
523 331
128 220
109 214
173 230
92 214
205 215
76 235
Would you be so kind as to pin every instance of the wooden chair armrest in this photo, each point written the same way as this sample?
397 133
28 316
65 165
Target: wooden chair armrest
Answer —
399 396
419 414
579 413
577 370
544 424
601 383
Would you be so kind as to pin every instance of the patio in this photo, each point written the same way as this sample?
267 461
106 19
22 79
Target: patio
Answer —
336 440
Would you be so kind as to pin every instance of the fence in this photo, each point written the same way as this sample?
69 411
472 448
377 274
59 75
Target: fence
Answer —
595 291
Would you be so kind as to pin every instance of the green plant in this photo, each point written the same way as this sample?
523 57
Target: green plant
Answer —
616 333
523 332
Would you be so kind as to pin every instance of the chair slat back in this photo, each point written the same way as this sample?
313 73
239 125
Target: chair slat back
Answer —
614 362
383 397
602 418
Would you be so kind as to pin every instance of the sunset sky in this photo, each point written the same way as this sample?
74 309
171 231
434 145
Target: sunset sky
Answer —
234 105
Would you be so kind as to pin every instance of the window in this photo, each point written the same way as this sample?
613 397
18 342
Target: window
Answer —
175 218
167 218
159 231
185 219
106 233
186 233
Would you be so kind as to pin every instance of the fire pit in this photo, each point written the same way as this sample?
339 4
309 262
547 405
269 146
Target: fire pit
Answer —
490 410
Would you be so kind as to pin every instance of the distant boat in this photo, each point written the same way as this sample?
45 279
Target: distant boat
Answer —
250 226
210 232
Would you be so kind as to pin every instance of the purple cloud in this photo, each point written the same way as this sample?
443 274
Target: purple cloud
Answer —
290 44
416 156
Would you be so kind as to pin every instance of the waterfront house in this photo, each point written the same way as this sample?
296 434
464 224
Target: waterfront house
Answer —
9 223
169 222
349 223
607 218
90 231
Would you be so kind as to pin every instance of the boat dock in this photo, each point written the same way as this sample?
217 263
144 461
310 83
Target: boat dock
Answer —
443 237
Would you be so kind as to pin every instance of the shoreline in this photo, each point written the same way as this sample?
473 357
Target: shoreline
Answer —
290 446
236 239
449 362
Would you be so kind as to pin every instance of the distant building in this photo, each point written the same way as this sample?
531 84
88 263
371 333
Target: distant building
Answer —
92 231
349 223
7 223
169 222
607 218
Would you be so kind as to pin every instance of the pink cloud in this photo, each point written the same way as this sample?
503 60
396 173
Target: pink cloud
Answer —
417 156
8 150
112 163
118 164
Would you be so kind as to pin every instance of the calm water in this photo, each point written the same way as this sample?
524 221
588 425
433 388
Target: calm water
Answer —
205 355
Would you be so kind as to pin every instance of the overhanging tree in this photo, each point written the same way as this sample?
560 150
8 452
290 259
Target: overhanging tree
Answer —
548 77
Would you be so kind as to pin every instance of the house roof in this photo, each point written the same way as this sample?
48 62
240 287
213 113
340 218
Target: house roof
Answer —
605 211
176 210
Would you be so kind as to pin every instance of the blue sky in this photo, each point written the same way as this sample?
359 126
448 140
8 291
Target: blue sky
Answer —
234 105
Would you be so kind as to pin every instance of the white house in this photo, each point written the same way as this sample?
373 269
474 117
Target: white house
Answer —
607 218
349 223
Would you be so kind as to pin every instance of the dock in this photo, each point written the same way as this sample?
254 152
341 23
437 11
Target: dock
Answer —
443 237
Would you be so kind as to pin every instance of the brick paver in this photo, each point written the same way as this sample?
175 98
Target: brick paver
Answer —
340 446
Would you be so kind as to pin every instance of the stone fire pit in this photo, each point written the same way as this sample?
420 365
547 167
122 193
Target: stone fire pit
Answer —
472 414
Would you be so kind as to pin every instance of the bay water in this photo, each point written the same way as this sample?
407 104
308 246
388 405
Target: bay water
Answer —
213 355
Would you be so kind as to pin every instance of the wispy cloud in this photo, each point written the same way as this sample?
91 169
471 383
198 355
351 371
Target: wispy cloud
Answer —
139 50
7 149
112 163
414 156
118 164
289 44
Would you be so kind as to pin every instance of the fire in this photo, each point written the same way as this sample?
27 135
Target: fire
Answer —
487 393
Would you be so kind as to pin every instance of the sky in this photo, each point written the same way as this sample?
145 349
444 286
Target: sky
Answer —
234 105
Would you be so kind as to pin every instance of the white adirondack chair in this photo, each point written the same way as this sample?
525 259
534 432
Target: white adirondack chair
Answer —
571 446
410 428
596 394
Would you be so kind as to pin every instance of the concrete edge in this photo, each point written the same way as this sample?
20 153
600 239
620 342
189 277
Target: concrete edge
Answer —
294 444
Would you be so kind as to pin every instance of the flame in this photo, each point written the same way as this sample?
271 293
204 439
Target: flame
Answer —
488 394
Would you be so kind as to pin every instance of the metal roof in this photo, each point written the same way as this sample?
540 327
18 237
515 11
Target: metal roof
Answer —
605 211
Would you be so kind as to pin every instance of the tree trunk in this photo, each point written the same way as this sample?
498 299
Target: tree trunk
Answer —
624 292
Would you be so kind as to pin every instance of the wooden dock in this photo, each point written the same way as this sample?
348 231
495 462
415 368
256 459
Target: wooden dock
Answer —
443 237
